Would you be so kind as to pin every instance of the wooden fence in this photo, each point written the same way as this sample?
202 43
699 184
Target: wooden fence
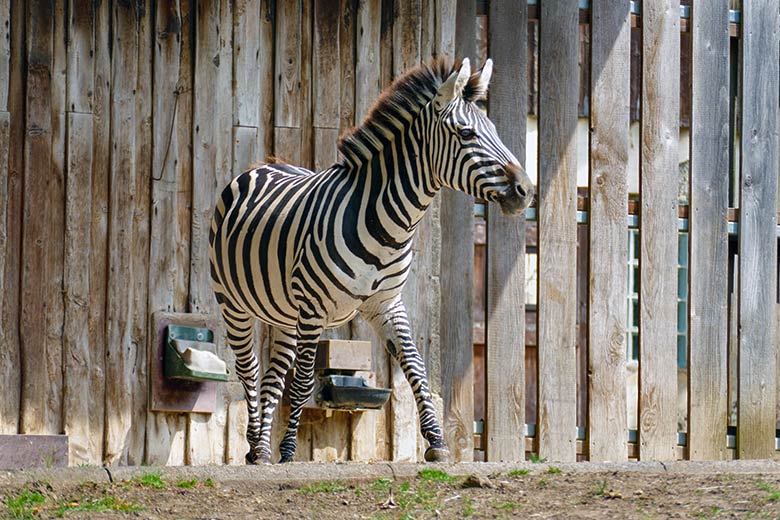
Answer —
121 121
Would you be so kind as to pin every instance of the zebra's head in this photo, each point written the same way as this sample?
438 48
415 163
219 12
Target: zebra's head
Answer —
466 152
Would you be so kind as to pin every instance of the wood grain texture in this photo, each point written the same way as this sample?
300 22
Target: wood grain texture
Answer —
247 60
367 85
211 172
265 70
76 348
81 55
557 197
757 241
5 53
170 223
444 25
708 407
325 67
98 272
609 148
658 225
505 276
347 52
457 274
37 147
9 362
287 93
119 305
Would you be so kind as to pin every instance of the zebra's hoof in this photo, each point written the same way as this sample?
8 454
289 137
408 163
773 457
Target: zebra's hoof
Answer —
437 455
255 459
285 459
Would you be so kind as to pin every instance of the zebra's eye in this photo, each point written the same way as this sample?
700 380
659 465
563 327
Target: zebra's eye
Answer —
467 133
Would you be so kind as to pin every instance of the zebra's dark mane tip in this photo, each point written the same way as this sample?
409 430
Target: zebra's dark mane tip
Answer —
402 100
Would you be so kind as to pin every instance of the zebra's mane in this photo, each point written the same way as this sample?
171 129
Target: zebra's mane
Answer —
401 102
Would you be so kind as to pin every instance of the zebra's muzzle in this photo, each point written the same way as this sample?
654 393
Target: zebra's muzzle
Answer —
520 192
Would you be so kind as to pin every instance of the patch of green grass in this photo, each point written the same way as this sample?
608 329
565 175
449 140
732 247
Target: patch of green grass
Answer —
420 496
187 484
519 472
381 485
509 506
23 505
153 479
436 475
325 486
600 489
536 459
468 506
553 470
209 483
101 505
773 493
542 483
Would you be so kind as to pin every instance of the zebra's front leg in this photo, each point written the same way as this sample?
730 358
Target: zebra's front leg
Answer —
272 387
390 321
308 331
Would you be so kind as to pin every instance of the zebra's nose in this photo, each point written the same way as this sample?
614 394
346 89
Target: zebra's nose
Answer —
520 190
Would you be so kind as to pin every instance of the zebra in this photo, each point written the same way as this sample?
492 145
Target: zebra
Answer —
304 251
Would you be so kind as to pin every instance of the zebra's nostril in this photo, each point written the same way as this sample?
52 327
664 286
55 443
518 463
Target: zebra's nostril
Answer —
520 191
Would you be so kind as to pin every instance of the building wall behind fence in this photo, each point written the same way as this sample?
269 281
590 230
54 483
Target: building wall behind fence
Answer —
120 122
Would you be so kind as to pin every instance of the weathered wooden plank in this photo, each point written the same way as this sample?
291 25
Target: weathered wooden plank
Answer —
170 223
247 60
287 95
265 70
757 240
9 403
658 225
505 346
325 153
34 241
98 274
134 452
444 44
33 451
307 132
76 347
367 430
5 53
609 147
81 55
422 290
457 286
557 196
325 67
10 362
119 305
708 273
330 436
287 144
244 148
211 172
237 420
347 39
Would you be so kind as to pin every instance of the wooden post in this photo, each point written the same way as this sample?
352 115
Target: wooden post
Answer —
557 213
757 230
708 405
505 316
658 225
609 143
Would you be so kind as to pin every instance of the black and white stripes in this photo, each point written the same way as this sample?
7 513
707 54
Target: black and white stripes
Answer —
306 251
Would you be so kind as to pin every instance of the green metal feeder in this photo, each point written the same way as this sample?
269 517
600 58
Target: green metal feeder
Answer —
190 354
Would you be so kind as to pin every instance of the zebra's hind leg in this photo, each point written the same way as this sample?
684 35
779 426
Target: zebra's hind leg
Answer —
272 385
309 331
390 321
240 329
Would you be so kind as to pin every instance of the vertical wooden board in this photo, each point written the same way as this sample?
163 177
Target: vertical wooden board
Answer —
244 148
55 207
287 96
5 53
708 274
170 224
307 134
119 306
422 285
757 228
505 315
330 436
325 67
248 57
81 55
237 420
444 43
287 144
325 153
134 452
658 230
10 361
265 70
457 287
609 148
98 274
211 161
35 229
367 430
427 29
347 41
557 210
76 347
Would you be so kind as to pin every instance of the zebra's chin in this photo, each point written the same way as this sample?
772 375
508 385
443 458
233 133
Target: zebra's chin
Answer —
511 204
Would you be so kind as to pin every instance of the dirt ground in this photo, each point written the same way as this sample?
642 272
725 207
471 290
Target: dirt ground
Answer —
417 492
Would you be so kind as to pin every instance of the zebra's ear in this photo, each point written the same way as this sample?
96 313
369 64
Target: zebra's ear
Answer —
453 87
484 77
